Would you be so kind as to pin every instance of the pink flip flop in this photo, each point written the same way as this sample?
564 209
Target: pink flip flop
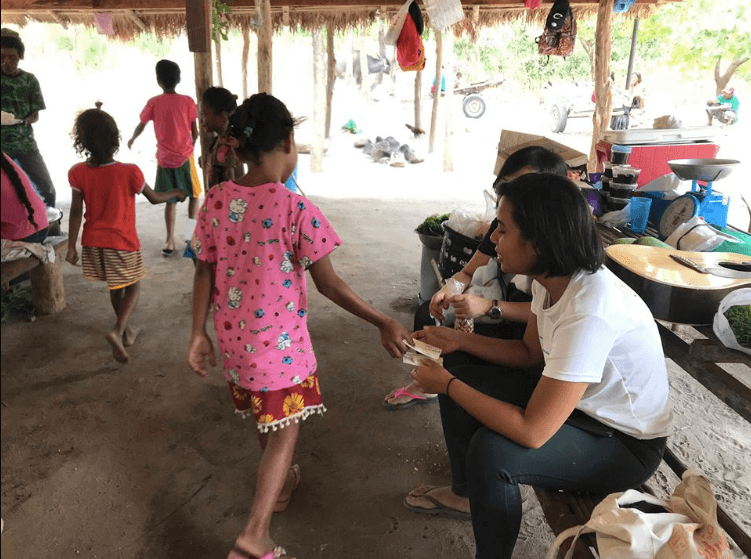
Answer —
416 399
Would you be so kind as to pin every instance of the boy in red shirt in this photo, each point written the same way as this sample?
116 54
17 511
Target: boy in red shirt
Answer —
176 131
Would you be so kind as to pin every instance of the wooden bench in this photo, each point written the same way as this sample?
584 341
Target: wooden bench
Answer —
699 357
47 290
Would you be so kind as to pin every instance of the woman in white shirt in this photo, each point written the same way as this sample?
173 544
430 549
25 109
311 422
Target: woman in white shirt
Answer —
598 417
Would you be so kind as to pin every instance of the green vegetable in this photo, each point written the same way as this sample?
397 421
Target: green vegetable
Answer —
739 318
17 304
432 225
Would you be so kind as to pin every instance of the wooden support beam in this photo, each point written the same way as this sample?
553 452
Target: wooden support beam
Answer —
244 60
448 62
218 54
137 20
603 93
418 94
285 16
203 72
330 76
436 89
319 117
264 55
198 25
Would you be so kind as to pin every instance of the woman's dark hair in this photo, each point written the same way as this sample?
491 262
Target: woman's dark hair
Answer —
168 73
552 212
10 170
260 124
95 134
542 160
13 42
220 100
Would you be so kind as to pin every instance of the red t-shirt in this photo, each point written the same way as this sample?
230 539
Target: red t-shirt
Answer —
15 216
109 193
173 115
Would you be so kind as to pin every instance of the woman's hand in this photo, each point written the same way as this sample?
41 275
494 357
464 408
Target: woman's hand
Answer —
438 303
447 340
72 255
431 378
470 306
200 347
393 335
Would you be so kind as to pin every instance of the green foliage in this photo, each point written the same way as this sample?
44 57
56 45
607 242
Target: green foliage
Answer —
16 304
149 43
219 24
739 318
433 225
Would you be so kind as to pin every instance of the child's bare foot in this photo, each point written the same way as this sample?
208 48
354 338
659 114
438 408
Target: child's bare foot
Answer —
118 351
130 335
245 548
292 483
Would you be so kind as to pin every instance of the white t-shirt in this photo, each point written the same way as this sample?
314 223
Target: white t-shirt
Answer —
601 332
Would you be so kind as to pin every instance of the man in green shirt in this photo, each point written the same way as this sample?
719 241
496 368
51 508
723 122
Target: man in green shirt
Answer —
724 108
22 98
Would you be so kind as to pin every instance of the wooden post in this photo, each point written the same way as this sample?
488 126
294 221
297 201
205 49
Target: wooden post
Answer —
245 55
330 75
418 92
47 290
264 32
218 50
436 89
319 116
198 24
603 93
448 155
364 77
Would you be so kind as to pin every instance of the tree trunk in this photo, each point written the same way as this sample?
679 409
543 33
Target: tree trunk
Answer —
448 151
245 56
436 89
603 94
364 77
330 75
319 115
263 8
722 80
589 49
218 50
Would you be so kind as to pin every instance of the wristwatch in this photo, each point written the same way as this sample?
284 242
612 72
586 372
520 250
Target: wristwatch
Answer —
495 311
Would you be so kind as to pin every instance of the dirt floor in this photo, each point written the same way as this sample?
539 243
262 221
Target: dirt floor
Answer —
148 461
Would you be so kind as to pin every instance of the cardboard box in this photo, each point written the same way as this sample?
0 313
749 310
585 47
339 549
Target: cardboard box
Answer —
512 141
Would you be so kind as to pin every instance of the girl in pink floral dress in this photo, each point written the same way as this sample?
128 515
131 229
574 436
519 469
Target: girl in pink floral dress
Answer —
254 241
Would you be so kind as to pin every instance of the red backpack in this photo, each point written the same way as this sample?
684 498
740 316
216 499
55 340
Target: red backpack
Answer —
410 52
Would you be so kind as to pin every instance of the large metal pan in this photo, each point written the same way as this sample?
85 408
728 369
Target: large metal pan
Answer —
702 169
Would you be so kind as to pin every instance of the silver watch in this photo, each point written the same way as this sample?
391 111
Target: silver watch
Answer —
495 311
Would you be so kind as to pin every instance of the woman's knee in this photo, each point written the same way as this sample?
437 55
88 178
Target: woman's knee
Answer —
486 458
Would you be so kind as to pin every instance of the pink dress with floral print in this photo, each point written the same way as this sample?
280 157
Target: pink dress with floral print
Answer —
262 239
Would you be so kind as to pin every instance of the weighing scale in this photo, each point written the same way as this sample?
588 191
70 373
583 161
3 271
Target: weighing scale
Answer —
701 200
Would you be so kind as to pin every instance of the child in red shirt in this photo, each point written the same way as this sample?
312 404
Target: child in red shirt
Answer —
110 248
174 117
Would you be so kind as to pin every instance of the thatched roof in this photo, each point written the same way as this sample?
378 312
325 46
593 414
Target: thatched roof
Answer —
166 18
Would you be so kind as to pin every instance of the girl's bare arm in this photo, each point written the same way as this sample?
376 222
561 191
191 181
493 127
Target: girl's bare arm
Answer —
331 286
200 344
162 197
74 225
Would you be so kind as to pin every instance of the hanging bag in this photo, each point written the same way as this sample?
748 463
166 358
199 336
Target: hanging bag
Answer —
559 36
636 525
410 52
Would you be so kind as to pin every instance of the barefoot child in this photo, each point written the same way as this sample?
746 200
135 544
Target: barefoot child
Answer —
176 131
110 249
254 240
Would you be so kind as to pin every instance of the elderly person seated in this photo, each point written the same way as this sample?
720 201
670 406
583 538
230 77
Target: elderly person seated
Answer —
724 108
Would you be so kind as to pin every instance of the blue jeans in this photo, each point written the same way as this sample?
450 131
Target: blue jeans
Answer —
34 166
488 467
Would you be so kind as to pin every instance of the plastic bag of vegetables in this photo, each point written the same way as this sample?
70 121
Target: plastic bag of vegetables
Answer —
732 323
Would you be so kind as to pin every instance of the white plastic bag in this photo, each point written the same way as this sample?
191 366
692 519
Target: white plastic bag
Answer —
697 235
618 218
721 326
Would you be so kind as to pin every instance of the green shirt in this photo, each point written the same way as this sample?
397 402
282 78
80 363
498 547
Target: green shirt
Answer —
733 102
21 96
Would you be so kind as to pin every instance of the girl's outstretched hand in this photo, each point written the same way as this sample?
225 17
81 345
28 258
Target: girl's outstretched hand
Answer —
200 347
430 377
72 255
393 335
447 339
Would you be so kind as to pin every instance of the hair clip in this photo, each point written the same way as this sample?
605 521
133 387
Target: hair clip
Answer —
248 131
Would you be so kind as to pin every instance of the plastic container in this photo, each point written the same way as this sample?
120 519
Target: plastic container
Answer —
625 174
639 214
619 154
456 251
431 248
607 184
607 169
619 190
613 204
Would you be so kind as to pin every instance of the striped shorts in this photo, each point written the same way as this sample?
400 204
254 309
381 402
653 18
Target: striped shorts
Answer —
119 268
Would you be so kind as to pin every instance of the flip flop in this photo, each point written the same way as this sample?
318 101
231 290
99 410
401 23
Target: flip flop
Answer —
417 399
168 252
281 504
439 510
275 554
